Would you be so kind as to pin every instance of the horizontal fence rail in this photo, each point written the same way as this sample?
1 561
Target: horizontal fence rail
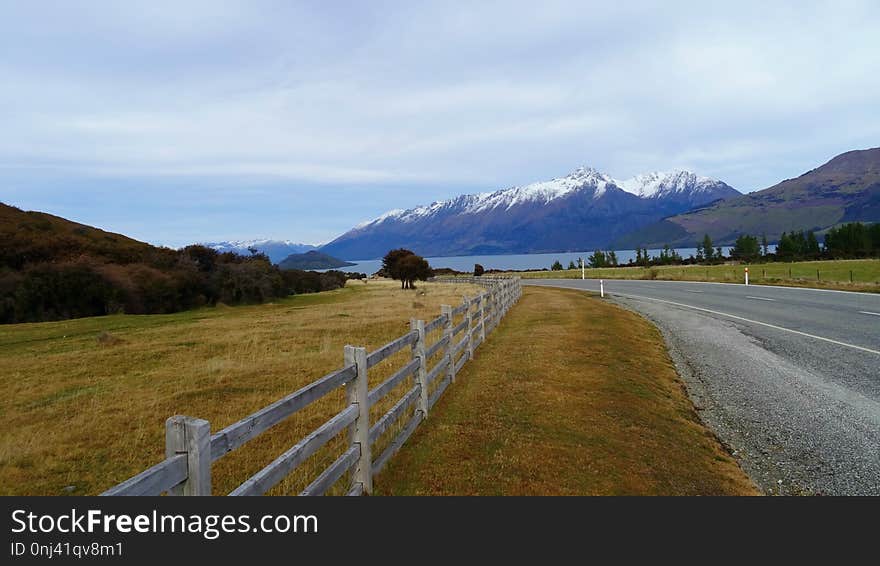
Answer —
190 448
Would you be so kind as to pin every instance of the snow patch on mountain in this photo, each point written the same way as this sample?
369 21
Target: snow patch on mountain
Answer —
277 250
661 183
395 213
245 244
542 192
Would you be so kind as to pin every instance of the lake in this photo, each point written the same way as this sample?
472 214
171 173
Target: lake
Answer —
517 261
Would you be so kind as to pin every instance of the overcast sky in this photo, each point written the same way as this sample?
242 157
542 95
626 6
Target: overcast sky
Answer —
177 122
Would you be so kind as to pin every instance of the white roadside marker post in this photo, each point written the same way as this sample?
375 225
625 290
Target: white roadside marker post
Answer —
602 288
747 276
583 269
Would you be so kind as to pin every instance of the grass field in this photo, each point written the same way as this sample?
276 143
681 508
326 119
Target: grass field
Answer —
851 275
85 400
570 395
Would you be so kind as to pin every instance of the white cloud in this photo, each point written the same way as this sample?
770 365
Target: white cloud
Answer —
451 95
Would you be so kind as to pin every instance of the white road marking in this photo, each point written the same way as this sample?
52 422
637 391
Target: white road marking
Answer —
869 312
768 325
784 287
759 298
733 316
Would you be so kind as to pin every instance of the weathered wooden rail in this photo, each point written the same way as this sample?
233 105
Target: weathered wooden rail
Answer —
190 448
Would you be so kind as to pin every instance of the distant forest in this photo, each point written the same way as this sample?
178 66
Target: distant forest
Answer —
847 241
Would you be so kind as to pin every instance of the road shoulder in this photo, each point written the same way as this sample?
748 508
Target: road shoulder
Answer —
793 427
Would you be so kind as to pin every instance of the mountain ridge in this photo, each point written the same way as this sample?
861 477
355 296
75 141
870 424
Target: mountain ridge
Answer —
585 208
844 189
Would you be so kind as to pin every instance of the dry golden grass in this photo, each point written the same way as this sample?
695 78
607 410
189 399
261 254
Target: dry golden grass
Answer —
85 400
570 395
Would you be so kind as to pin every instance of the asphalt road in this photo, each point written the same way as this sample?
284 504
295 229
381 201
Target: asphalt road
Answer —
789 379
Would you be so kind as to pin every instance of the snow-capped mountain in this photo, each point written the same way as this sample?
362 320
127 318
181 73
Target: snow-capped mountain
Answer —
277 250
582 210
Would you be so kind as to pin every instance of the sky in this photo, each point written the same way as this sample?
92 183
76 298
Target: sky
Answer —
181 122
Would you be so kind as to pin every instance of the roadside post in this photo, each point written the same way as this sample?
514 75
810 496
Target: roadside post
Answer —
602 288
747 276
583 269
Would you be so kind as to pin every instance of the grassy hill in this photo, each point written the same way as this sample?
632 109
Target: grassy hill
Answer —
32 237
846 189
53 269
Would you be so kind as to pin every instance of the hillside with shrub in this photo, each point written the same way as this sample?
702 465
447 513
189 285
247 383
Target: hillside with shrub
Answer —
54 269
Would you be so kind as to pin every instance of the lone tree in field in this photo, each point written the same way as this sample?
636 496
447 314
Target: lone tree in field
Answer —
478 270
406 266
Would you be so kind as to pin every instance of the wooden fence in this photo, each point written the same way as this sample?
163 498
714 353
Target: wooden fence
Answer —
190 448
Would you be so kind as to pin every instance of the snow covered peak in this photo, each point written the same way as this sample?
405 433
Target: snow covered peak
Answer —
245 244
661 183
395 213
543 191
578 179
277 250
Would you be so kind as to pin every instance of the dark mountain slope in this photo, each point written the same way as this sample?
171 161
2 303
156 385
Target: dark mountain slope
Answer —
845 189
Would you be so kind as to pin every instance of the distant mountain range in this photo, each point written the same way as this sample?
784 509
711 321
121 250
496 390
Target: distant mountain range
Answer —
846 189
584 210
277 250
312 260
588 209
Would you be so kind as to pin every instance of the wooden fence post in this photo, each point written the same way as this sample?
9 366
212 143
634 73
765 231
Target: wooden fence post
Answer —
447 333
470 327
493 307
482 304
358 390
190 436
418 352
